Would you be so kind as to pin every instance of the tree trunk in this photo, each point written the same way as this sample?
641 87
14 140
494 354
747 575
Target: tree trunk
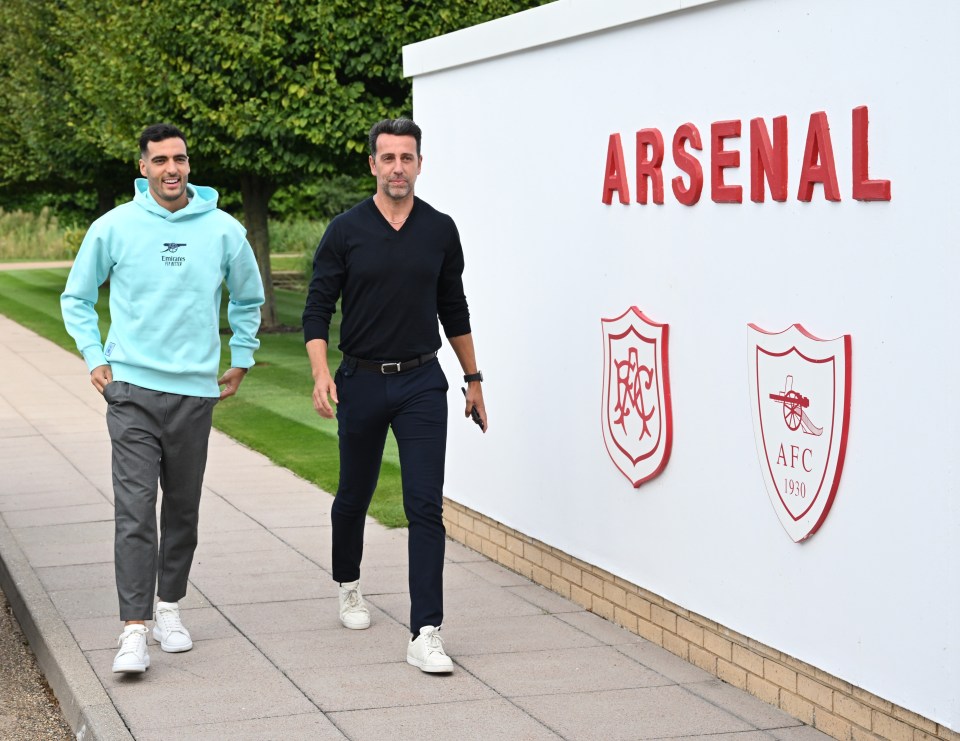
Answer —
106 199
112 180
256 192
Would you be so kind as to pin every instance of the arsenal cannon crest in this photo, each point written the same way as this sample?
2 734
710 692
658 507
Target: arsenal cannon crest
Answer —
800 401
635 411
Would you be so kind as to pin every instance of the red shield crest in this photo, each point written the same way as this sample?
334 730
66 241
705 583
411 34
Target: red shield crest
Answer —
635 410
800 401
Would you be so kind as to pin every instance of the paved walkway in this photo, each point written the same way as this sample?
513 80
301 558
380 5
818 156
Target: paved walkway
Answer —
270 659
4 266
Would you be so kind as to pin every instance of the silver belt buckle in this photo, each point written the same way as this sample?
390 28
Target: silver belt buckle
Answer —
385 366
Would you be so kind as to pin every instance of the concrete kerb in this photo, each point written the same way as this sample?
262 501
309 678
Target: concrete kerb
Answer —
85 703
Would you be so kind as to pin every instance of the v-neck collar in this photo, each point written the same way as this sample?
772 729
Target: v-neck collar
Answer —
399 227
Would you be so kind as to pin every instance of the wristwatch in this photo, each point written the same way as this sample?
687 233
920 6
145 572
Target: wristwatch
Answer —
478 376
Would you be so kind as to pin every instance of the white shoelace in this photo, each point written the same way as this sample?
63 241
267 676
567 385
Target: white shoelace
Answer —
129 641
352 601
169 620
433 643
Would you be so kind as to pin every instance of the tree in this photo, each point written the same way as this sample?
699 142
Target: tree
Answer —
268 92
39 148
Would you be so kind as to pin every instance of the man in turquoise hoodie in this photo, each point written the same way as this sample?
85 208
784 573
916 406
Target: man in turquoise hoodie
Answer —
167 254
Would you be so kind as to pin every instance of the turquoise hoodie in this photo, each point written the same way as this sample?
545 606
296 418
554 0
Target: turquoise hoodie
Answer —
166 273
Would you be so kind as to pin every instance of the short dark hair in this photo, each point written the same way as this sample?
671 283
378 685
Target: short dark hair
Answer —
157 133
397 127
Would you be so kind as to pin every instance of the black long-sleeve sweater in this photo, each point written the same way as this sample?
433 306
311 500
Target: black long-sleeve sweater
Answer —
395 283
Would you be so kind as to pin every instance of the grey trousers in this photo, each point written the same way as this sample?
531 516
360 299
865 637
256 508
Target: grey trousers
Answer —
156 437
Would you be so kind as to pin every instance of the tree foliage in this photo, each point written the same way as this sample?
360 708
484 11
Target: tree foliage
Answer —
270 93
39 149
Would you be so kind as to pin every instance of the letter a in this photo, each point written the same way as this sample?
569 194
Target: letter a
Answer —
819 149
781 457
615 177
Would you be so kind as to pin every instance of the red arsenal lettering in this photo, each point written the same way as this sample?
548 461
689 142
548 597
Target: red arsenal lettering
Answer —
768 157
818 165
865 189
688 196
648 168
720 159
615 176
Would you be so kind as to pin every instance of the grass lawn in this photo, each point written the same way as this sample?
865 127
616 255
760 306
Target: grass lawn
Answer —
287 262
272 413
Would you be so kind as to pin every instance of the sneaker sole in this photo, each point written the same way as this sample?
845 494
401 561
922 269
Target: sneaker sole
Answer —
175 649
345 624
170 649
133 668
430 669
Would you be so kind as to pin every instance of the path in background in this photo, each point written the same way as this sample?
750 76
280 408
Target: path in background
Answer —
35 265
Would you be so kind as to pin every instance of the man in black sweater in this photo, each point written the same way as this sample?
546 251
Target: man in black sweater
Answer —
397 263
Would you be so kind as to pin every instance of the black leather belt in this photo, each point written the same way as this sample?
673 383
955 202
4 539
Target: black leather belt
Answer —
388 369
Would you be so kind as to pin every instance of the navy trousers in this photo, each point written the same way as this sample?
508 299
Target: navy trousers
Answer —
414 404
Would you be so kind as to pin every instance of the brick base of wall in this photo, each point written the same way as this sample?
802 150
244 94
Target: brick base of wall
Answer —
831 705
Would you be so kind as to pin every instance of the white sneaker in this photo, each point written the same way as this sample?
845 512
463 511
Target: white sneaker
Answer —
426 652
168 630
132 657
353 611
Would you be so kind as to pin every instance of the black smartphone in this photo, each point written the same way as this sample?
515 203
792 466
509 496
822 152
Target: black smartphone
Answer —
474 414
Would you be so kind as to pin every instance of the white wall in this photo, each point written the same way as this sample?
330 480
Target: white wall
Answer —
514 149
